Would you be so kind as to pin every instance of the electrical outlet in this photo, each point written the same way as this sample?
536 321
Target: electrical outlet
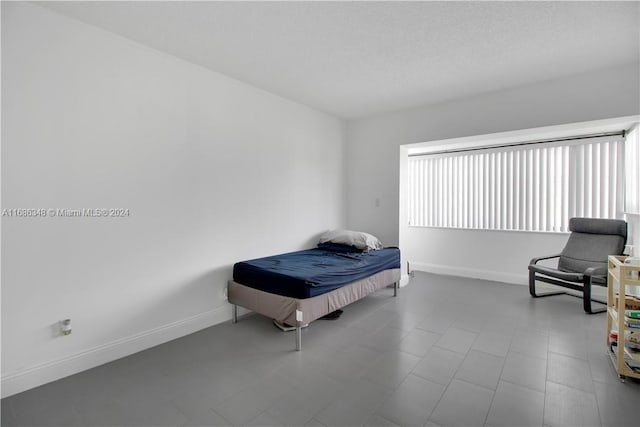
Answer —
65 326
224 293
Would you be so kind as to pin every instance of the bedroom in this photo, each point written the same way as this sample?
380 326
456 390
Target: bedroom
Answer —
217 167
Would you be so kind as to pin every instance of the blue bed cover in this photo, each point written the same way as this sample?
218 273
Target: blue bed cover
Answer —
305 274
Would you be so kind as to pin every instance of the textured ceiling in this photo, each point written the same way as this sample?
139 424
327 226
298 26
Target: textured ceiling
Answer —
357 59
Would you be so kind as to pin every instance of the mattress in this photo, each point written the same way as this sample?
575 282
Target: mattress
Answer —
312 272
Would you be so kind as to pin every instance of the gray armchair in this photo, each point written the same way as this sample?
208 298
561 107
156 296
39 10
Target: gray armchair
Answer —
583 261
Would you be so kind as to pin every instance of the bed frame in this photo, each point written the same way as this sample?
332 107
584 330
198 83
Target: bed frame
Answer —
300 312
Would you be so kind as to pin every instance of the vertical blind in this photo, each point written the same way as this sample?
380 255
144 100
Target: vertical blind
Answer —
534 187
632 171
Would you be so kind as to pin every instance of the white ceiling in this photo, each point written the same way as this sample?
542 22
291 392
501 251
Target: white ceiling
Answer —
357 59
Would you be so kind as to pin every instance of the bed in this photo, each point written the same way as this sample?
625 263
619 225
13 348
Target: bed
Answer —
297 288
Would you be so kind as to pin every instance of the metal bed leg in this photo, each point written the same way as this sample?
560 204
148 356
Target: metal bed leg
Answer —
395 288
235 314
298 338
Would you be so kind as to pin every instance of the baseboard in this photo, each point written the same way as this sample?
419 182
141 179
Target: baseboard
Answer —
495 276
33 376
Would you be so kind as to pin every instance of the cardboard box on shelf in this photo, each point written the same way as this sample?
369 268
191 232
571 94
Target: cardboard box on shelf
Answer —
630 303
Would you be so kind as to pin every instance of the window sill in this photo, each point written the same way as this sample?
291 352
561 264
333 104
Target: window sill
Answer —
493 230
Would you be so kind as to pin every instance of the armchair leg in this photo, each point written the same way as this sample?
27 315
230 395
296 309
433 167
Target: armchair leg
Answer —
586 298
532 288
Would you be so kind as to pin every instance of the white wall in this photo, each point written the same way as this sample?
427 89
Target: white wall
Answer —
373 156
213 171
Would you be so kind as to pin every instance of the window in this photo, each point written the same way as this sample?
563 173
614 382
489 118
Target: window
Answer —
527 187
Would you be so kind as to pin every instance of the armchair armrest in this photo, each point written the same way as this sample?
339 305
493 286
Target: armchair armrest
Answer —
596 271
537 259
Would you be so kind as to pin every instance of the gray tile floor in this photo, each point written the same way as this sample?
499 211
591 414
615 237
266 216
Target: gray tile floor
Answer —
447 351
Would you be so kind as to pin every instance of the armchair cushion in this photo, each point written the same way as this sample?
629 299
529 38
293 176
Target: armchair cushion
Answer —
590 242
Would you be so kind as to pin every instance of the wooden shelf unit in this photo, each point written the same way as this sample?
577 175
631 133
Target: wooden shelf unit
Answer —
623 275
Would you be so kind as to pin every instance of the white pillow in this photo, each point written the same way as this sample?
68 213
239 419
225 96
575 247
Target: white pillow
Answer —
363 241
